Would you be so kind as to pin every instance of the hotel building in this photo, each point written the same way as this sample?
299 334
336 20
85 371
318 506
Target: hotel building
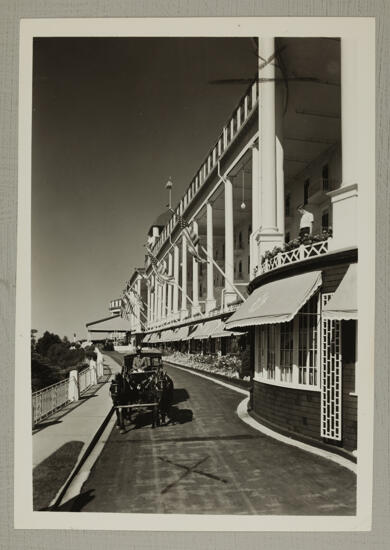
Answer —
290 142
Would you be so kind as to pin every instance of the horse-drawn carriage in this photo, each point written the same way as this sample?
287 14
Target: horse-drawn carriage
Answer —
144 388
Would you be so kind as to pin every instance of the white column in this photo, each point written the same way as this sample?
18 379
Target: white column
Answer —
169 310
138 310
184 278
256 209
195 309
344 199
210 300
164 301
176 276
149 304
230 295
156 300
270 235
160 301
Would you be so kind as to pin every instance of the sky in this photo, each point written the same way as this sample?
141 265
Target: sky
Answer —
113 119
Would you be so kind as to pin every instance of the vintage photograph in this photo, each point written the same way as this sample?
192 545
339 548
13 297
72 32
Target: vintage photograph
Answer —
195 259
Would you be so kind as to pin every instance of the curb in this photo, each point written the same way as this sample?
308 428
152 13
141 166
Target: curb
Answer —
243 415
80 461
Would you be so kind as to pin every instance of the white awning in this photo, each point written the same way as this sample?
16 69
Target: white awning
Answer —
343 304
220 332
276 302
181 333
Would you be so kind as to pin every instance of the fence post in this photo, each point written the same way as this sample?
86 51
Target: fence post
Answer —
92 370
99 362
302 252
73 390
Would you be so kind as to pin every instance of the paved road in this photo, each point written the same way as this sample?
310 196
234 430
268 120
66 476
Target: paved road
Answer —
208 461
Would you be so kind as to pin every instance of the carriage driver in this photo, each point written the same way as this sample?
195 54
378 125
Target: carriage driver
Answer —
139 362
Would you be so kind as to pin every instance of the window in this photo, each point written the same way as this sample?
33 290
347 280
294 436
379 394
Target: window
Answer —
325 177
287 205
240 268
308 319
325 220
306 191
240 239
271 341
286 351
223 251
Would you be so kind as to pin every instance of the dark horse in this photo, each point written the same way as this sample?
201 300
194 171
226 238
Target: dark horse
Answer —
142 389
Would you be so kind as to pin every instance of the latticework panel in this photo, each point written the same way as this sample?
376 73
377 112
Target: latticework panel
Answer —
331 376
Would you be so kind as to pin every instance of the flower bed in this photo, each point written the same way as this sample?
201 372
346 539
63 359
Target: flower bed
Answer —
226 365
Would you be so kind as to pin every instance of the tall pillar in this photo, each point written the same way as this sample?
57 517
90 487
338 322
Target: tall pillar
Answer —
210 300
176 277
160 304
184 312
156 300
195 309
256 210
139 304
230 295
344 199
164 301
149 304
169 305
270 235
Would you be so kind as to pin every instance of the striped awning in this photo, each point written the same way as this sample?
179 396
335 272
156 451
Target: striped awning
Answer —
193 330
276 302
343 304
168 336
146 340
220 332
181 333
155 338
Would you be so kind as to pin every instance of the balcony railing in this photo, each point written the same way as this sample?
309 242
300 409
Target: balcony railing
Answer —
229 133
302 252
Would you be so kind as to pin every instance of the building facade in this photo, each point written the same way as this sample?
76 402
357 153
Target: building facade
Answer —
273 208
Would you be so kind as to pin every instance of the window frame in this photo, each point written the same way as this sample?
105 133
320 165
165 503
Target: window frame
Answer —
261 354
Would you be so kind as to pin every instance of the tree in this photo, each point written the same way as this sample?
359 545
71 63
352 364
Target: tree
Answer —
45 342
33 339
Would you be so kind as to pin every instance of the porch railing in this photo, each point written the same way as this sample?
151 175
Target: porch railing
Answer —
298 254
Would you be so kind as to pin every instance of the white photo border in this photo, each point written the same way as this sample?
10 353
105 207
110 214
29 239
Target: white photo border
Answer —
363 29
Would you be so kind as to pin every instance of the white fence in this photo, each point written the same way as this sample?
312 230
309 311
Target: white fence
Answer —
85 380
49 400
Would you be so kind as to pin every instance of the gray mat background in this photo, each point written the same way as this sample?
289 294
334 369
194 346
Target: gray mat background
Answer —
10 13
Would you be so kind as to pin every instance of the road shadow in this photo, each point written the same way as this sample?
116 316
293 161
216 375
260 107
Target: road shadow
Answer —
180 416
180 395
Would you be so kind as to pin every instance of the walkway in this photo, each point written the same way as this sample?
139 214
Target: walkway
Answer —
59 439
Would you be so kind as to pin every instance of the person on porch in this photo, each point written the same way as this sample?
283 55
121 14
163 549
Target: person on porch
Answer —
306 222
